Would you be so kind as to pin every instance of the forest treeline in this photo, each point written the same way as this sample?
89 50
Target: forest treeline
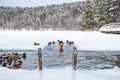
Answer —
68 16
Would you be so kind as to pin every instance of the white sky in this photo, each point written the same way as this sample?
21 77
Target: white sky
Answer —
33 3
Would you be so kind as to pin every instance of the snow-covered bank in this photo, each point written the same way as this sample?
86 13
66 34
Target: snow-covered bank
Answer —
60 74
110 27
91 41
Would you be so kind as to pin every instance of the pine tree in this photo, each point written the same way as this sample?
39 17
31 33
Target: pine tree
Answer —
102 13
88 15
114 11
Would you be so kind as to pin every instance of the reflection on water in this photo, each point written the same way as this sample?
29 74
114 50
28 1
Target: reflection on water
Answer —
87 60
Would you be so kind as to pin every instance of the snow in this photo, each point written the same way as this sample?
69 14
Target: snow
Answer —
89 41
33 3
83 41
110 27
60 74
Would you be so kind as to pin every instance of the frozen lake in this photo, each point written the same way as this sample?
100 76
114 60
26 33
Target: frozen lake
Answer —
52 58
95 51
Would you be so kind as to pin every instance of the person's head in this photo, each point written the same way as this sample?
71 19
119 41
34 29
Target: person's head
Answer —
49 43
16 53
53 42
61 42
24 53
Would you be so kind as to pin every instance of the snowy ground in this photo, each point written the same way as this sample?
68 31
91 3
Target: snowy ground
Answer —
90 41
59 74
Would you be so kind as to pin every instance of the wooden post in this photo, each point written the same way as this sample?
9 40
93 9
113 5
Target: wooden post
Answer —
118 61
74 62
40 58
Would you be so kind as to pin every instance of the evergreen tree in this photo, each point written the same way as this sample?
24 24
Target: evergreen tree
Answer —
102 14
88 15
115 11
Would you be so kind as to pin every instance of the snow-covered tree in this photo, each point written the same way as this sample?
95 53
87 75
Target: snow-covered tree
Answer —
88 15
55 17
114 11
101 12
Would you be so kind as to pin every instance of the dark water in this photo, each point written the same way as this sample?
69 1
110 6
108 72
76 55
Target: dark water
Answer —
52 58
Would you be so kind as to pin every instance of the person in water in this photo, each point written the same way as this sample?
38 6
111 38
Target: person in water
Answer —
61 45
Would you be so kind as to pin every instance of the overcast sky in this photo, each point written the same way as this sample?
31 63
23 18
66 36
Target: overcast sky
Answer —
33 3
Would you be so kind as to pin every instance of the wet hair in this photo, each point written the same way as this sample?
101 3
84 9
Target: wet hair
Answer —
16 53
61 42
